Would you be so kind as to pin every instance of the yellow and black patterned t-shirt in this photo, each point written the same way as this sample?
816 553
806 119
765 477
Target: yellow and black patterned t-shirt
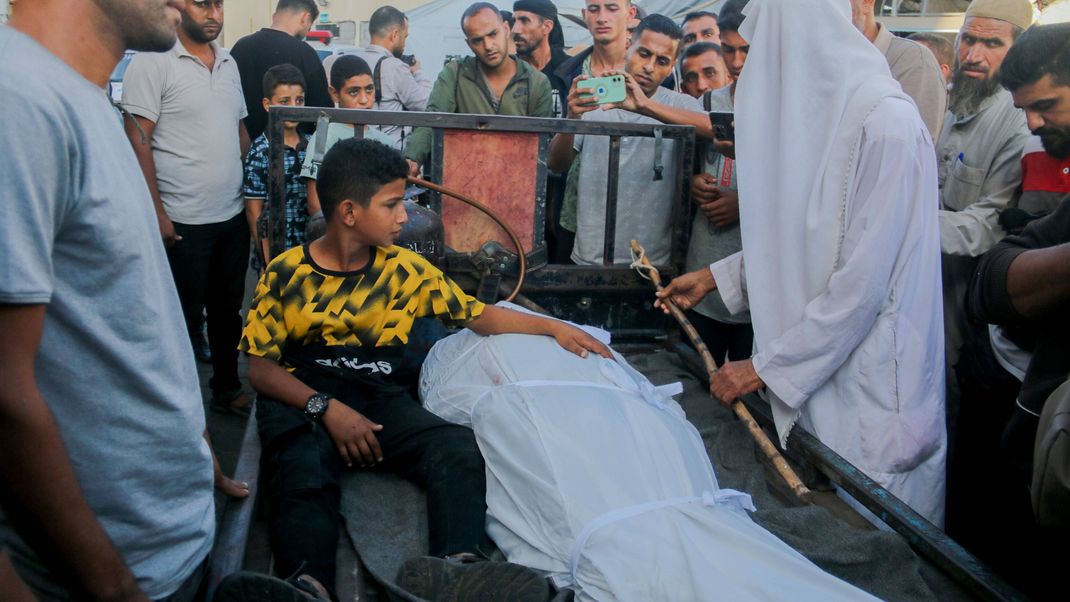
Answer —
351 326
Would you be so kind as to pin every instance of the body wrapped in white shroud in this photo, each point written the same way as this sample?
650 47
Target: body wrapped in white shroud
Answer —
595 477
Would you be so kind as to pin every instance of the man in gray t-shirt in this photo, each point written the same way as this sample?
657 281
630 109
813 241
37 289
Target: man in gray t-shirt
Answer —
715 234
187 106
107 478
644 200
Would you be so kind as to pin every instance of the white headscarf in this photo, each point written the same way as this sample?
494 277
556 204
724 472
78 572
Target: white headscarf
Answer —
809 82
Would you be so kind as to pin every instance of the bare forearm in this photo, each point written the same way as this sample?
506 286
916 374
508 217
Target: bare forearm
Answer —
139 131
270 379
253 209
243 140
561 153
313 201
672 115
496 320
12 588
1039 280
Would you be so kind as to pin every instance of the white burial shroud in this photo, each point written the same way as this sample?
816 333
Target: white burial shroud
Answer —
595 477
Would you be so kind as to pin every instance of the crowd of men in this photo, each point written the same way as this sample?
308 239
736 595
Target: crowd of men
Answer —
882 251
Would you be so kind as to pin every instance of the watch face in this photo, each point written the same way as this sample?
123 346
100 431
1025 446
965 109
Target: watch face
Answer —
317 405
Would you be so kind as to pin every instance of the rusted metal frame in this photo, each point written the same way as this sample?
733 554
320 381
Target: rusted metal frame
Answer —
492 123
228 553
589 278
276 197
923 537
612 189
440 121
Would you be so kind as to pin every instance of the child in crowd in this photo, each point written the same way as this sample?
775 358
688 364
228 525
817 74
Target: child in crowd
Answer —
327 343
351 87
283 85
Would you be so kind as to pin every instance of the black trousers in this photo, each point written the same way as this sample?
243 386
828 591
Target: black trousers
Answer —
304 469
732 341
208 265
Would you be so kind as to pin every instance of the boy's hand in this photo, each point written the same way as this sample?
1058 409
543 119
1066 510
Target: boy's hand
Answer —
579 342
353 434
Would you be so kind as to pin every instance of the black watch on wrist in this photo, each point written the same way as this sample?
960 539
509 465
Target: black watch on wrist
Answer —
316 405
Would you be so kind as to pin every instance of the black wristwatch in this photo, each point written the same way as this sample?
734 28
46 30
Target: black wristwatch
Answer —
316 405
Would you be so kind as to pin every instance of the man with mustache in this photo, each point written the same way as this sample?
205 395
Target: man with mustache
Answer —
105 479
187 132
978 167
490 83
540 42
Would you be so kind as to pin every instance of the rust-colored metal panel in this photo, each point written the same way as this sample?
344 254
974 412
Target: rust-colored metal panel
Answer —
497 169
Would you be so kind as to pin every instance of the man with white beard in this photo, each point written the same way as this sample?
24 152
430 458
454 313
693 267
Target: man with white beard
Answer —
840 260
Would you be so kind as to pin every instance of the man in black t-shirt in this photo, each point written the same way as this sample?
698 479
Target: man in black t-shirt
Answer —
275 45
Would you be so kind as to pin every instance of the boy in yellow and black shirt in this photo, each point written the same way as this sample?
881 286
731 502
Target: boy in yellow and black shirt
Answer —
327 338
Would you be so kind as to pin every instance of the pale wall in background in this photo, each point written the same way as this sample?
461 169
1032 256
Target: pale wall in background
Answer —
246 16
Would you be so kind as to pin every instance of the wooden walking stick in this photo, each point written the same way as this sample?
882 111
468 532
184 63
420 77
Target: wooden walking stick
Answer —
644 266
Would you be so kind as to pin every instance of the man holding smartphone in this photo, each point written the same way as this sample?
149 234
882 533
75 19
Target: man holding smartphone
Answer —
645 199
715 232
492 82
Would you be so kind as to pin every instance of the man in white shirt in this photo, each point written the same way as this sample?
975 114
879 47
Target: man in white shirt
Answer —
840 265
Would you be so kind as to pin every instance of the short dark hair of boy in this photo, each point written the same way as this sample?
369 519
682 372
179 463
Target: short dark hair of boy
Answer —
940 46
698 14
658 24
731 15
282 75
347 66
298 6
356 169
701 48
1040 51
475 9
384 20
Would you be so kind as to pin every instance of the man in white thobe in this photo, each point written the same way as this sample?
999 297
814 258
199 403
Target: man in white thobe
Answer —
841 249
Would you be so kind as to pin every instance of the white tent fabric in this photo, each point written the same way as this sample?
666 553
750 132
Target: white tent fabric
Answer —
595 477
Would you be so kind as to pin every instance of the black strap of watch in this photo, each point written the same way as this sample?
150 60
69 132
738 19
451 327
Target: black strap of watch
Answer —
316 406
